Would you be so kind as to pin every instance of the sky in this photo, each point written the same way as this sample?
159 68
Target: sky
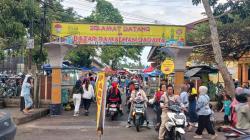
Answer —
173 12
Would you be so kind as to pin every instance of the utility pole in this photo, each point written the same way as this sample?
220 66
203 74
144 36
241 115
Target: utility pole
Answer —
43 27
30 43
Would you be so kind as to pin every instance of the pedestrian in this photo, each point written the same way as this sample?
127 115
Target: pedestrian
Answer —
22 103
226 108
184 98
204 112
88 95
26 93
243 110
77 95
192 106
156 102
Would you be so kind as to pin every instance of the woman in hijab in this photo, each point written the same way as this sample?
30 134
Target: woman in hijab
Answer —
77 95
26 93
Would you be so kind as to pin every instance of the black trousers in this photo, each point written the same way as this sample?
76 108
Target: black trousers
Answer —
204 122
87 103
22 103
226 120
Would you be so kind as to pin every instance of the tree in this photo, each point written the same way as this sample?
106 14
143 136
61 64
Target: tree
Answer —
16 18
106 13
81 56
229 85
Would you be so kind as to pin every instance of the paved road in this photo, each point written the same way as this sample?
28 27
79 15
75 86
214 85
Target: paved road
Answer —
67 127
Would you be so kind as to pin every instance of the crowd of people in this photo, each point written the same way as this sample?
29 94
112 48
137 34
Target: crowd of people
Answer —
195 104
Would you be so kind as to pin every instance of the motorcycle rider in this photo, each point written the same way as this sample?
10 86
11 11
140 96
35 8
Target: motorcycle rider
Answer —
114 95
167 99
134 94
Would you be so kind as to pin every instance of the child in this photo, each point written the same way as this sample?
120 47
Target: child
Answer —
226 107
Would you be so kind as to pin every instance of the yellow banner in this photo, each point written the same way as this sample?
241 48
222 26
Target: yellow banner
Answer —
119 34
100 99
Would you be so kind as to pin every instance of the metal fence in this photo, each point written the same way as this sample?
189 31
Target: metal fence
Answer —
12 65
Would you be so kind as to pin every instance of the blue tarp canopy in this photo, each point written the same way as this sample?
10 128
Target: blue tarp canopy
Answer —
48 66
85 69
95 69
155 73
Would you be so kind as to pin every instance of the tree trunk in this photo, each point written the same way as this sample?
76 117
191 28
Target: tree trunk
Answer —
229 85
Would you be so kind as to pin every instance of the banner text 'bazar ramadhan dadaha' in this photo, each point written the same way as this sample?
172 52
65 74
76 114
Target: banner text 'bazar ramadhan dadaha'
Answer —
119 34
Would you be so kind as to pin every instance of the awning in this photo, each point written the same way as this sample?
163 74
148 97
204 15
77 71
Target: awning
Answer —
192 72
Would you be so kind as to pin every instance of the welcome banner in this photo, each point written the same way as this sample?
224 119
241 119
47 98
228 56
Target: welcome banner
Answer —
119 34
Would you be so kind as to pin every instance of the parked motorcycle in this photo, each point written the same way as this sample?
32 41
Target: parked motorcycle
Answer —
138 113
176 123
113 110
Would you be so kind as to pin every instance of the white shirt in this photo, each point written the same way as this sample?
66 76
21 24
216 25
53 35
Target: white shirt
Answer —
88 94
184 98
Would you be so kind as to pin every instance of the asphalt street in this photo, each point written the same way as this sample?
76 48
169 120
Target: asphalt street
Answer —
67 127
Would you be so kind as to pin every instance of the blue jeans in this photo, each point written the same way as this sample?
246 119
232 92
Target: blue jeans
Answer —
28 101
192 111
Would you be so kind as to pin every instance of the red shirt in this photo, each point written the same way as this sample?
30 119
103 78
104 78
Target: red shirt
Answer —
158 95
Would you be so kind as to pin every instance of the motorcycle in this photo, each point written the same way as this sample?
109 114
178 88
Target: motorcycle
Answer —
113 110
176 123
234 134
138 113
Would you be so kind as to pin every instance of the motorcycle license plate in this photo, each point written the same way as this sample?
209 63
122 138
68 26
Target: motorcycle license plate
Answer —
112 109
138 111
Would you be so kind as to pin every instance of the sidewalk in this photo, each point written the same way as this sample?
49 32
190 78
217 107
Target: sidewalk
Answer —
19 118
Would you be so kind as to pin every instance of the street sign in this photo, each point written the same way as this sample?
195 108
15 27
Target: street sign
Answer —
167 66
30 44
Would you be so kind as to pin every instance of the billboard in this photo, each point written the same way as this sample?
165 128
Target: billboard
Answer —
119 34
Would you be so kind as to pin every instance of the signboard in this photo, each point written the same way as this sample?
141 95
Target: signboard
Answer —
119 34
100 100
30 44
167 66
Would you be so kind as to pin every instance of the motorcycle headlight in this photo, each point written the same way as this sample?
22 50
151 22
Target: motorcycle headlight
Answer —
179 121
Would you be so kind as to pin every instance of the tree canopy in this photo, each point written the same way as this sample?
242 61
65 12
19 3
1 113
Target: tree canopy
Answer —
112 55
233 23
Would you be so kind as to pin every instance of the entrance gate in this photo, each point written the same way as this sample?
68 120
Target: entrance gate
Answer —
65 36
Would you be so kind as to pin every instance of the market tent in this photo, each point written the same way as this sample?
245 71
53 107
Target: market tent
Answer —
148 69
85 69
95 69
109 70
155 73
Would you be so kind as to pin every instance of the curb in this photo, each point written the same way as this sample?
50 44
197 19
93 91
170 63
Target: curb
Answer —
27 118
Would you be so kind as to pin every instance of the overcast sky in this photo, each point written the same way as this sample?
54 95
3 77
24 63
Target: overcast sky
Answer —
177 12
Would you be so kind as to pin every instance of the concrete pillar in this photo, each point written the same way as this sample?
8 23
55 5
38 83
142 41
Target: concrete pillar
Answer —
244 74
180 56
56 53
